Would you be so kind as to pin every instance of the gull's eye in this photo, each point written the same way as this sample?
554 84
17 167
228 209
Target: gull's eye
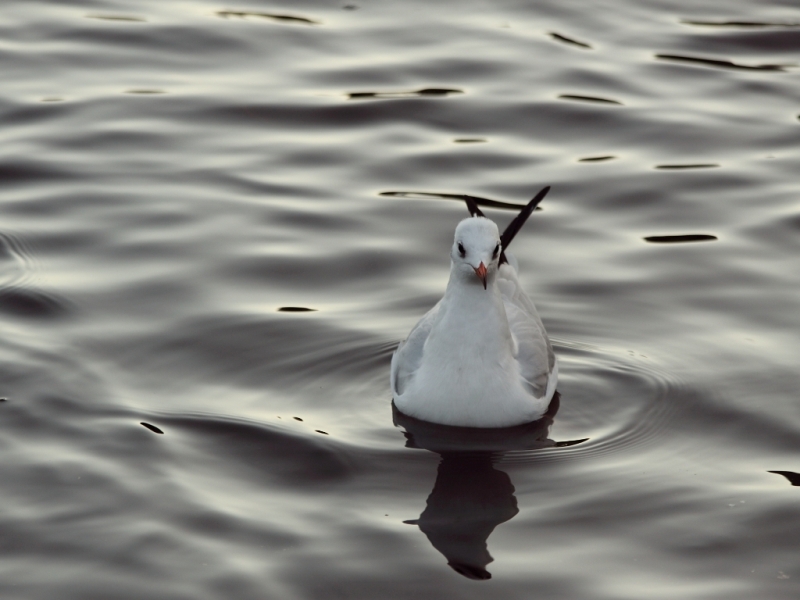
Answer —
496 250
461 250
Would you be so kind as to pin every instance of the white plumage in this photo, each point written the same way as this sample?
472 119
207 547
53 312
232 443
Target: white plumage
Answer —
481 356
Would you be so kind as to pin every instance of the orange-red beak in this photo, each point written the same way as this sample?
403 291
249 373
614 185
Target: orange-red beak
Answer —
481 273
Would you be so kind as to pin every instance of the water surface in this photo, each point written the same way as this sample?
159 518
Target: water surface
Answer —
218 220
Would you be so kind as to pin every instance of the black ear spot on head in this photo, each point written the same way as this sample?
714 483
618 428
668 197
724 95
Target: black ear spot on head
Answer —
461 250
496 250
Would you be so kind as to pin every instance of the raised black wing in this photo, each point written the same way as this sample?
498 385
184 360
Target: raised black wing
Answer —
519 221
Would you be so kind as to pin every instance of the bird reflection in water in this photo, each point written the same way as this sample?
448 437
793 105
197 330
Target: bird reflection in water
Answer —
470 498
471 495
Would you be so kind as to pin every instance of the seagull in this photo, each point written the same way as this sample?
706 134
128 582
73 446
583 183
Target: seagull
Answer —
480 357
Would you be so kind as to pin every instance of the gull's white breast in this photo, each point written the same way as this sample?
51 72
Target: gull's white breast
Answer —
479 358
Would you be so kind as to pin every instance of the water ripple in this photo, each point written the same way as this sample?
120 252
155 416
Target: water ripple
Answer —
568 40
681 167
597 158
742 24
721 63
16 260
677 239
608 404
120 18
596 99
244 14
422 93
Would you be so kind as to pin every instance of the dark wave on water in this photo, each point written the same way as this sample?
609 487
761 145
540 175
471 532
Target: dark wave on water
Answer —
569 40
218 220
678 239
243 14
425 92
720 63
597 99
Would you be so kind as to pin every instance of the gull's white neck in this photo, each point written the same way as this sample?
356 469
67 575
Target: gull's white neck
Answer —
475 319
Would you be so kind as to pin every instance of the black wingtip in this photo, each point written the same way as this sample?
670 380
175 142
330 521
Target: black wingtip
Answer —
472 206
519 221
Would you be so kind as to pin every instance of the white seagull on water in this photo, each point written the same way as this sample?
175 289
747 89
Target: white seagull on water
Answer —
481 356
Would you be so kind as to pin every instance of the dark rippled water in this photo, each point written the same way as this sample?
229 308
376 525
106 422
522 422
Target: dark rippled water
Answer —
218 220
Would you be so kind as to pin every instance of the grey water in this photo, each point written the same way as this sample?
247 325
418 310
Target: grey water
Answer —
217 220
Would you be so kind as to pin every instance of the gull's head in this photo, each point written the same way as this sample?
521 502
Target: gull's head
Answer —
476 248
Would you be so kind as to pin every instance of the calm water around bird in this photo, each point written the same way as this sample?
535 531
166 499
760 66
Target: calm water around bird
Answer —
217 220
